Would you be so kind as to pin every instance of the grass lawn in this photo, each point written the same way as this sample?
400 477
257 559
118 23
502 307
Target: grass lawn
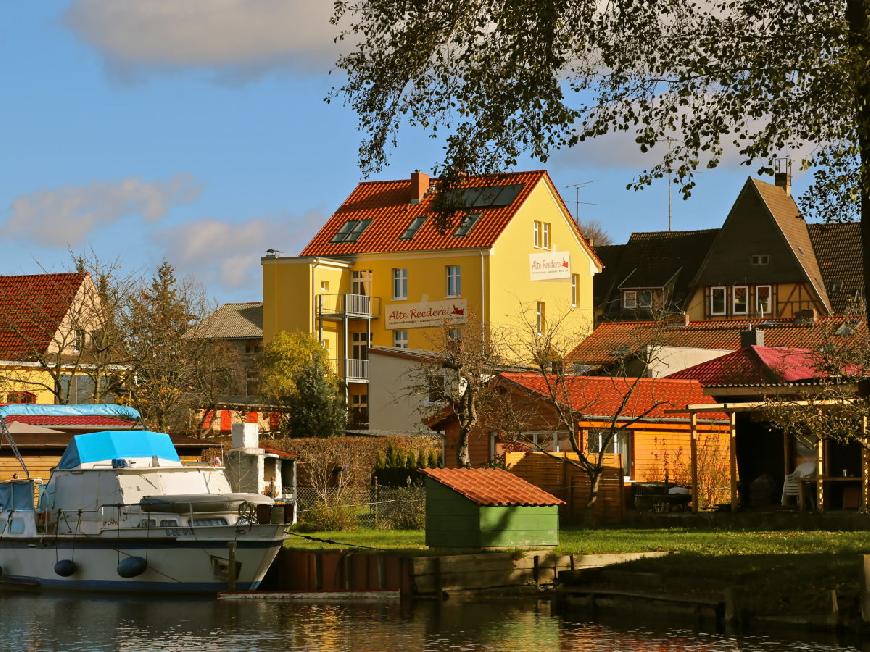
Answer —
585 541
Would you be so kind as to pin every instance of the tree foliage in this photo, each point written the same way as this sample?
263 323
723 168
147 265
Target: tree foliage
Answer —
296 371
687 78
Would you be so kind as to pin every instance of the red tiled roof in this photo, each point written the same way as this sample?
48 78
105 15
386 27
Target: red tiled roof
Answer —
756 365
32 309
387 204
602 396
492 487
612 340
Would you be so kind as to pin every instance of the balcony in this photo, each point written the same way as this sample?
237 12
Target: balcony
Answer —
338 306
356 370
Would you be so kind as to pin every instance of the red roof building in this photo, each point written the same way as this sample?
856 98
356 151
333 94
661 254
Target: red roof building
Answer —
32 309
757 365
611 342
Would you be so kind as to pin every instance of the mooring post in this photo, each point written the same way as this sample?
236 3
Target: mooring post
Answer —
865 598
231 570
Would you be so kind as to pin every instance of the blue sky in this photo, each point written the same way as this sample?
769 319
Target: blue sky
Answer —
196 131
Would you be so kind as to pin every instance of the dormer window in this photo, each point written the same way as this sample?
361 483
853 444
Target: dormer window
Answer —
413 227
351 230
644 299
629 299
760 259
466 224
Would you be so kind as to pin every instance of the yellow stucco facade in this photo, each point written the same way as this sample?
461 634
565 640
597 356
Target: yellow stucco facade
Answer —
409 295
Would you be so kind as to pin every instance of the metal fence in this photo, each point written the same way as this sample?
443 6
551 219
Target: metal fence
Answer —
374 507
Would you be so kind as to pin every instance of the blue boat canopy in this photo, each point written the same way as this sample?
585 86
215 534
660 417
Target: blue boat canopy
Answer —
117 444
95 410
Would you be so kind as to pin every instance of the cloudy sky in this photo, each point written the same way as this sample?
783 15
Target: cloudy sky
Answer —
196 131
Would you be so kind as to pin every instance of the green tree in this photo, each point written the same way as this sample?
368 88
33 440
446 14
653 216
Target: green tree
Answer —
501 78
318 408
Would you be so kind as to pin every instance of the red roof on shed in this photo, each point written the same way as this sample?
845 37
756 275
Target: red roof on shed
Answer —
492 487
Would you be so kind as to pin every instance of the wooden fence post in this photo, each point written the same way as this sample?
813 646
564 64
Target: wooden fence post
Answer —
693 446
732 455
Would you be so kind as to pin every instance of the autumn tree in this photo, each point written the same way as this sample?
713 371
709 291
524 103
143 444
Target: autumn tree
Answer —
498 79
296 371
165 365
455 376
545 348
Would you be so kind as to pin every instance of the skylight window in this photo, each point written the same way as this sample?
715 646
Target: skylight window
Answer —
413 227
351 230
466 224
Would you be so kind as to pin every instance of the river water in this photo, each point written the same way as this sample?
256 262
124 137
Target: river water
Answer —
38 622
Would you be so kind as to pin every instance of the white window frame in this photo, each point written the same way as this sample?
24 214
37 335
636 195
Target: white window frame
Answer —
400 338
540 317
734 309
537 230
629 299
454 280
539 437
545 231
724 300
575 282
400 283
769 311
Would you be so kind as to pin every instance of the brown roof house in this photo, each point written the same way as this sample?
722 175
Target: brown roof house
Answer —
765 262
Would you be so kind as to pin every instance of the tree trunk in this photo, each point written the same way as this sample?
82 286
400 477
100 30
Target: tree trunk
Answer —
858 19
594 483
462 457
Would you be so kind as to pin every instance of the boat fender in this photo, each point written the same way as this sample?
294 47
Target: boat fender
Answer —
65 567
132 566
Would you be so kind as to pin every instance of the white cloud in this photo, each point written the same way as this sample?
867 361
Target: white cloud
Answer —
238 39
66 216
228 253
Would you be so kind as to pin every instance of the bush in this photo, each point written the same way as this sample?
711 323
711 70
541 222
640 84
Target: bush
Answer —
405 509
326 515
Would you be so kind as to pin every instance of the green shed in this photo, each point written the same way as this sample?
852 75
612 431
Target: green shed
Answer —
488 508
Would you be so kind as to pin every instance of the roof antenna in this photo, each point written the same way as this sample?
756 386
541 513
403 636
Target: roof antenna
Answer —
577 202
670 181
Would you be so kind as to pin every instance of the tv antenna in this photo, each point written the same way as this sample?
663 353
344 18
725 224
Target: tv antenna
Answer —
577 202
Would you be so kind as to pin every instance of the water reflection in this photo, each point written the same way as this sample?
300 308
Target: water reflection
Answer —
34 622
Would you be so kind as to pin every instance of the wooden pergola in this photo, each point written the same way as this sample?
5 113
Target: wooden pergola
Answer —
822 475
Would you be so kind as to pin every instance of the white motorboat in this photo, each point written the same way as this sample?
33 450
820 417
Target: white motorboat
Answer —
120 512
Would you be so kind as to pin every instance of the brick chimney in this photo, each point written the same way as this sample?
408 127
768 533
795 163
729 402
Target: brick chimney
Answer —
782 176
751 337
419 186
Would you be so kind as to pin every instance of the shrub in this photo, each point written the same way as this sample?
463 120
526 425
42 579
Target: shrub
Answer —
328 515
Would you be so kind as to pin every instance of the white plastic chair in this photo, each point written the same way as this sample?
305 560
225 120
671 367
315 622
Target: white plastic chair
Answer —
792 484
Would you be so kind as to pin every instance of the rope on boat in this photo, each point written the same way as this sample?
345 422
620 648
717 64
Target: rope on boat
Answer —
9 440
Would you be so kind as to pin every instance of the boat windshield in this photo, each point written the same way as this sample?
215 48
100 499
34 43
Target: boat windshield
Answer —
16 495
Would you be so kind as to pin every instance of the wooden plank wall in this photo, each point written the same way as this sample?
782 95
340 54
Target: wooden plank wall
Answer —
571 484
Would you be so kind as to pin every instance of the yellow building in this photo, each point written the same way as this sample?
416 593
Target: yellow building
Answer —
380 272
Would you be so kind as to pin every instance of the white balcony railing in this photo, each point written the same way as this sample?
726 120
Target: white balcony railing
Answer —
357 304
355 369
352 305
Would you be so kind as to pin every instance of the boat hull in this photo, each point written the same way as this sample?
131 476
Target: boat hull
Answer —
174 564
